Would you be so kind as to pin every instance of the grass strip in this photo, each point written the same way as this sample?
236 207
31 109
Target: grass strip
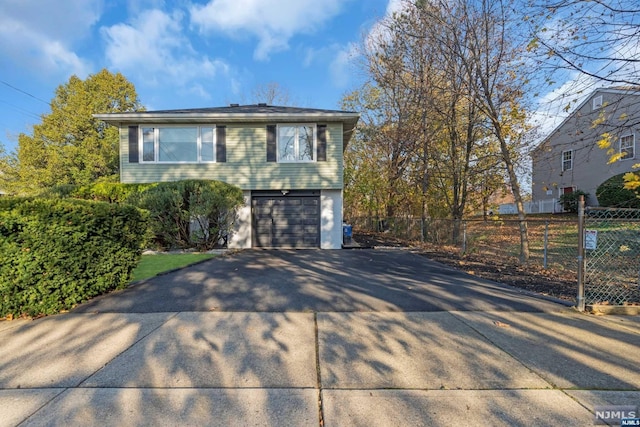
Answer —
153 265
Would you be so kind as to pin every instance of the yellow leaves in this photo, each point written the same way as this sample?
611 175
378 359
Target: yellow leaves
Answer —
631 181
613 156
605 141
501 324
602 119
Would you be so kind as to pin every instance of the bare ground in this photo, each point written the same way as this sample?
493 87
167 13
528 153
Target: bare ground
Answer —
558 284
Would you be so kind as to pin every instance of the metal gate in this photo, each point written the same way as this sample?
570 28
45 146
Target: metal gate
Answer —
611 257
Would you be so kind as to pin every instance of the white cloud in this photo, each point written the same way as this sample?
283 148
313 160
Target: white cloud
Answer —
41 35
556 105
273 22
379 32
342 66
153 44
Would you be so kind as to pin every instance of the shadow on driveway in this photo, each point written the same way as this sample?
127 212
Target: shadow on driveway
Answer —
318 281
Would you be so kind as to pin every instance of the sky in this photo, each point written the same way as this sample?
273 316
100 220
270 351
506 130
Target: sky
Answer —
182 53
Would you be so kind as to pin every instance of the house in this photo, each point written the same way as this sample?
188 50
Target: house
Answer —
288 162
570 159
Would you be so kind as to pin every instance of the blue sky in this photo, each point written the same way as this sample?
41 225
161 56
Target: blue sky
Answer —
180 54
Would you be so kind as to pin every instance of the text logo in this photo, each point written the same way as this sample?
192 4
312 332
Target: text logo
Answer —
614 414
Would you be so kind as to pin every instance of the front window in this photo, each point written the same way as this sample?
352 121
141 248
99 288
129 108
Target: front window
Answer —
567 160
296 143
173 144
627 147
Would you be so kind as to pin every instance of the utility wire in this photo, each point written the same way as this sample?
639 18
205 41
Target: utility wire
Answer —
21 110
23 92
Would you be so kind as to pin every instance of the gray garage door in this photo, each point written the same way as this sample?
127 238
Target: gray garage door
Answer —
286 221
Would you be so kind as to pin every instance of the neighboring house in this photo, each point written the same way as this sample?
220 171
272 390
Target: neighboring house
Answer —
288 162
570 159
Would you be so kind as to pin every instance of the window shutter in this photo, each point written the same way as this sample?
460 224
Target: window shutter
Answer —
133 144
321 155
221 144
271 143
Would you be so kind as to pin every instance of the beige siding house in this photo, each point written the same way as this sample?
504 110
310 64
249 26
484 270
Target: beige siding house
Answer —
570 159
288 162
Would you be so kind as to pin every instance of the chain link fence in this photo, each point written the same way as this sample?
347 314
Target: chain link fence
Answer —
552 243
611 246
611 256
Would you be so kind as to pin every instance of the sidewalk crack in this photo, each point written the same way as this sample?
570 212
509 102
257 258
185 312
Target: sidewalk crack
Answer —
318 372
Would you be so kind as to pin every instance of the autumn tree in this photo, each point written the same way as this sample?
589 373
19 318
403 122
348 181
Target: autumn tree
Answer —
450 104
485 40
70 146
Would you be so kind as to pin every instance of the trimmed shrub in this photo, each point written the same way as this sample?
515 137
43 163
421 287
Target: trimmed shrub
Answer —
191 213
57 253
186 214
612 194
111 192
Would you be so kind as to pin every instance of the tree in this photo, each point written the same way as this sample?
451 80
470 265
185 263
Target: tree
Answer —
485 44
70 146
271 93
451 101
596 39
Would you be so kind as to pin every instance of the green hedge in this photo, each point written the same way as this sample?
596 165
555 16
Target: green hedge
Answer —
57 253
112 192
185 214
612 194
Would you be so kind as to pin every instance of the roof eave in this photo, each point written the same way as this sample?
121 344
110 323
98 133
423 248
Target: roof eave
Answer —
117 118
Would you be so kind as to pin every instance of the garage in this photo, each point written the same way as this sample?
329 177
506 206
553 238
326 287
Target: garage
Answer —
285 219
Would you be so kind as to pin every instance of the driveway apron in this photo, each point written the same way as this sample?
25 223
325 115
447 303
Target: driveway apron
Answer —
324 338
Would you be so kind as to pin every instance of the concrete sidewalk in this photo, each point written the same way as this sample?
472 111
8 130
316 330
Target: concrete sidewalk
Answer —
325 368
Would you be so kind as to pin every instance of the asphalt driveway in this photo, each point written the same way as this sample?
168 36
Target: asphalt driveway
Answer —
325 338
318 281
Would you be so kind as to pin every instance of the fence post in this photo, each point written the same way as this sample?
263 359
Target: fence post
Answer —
580 300
464 237
546 243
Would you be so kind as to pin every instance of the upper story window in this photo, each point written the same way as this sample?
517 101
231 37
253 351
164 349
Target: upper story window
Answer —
627 147
175 144
567 160
597 102
296 143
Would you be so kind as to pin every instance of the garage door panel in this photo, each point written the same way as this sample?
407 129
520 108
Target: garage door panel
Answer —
286 221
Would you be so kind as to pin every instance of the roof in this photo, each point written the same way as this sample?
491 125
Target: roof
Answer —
236 113
249 109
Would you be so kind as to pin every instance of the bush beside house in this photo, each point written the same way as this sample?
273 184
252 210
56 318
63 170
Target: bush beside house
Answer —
191 213
57 253
58 250
612 194
184 214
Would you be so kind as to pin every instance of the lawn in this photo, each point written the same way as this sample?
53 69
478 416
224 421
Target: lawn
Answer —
152 265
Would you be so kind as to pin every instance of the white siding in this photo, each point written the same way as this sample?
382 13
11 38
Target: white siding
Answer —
241 235
331 219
